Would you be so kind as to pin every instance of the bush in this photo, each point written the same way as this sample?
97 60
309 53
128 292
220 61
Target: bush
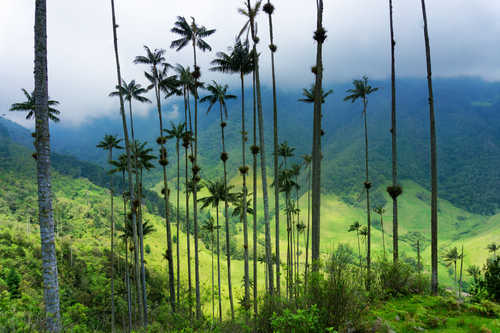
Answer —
300 321
492 278
399 279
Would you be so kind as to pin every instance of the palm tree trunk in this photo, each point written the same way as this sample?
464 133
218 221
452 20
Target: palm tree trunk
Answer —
461 270
131 121
141 240
178 221
263 164
434 184
45 212
254 197
195 195
395 250
308 225
383 233
289 246
125 131
275 156
212 255
244 173
188 224
316 149
127 277
359 249
218 264
166 194
367 187
226 216
110 158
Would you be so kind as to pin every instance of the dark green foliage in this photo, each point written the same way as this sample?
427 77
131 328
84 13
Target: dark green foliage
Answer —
492 277
13 279
399 279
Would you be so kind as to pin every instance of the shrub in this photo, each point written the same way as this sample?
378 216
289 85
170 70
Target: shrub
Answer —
399 279
492 278
300 321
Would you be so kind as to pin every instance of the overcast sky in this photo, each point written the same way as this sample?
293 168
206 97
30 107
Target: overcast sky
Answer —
464 41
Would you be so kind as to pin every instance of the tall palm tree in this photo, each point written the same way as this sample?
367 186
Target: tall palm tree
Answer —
451 257
361 91
269 9
240 61
434 182
356 227
124 125
250 12
218 192
295 170
131 91
309 95
109 143
319 37
29 107
380 211
159 79
45 212
219 95
255 151
194 34
394 190
177 132
307 164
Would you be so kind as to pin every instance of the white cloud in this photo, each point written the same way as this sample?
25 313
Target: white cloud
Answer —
81 61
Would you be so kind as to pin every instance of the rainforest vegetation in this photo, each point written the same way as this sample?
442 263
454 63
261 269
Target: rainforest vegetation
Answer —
252 220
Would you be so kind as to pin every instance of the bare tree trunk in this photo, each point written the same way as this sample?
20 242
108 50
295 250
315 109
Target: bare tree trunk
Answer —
226 216
395 250
45 212
263 164
110 158
218 264
319 36
244 174
254 196
178 221
461 271
195 195
434 184
125 134
188 224
308 225
273 49
367 188
127 277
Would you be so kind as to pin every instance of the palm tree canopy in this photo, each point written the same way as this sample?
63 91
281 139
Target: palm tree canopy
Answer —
131 91
109 142
379 210
153 58
142 153
185 78
29 106
217 193
175 131
451 256
285 150
237 201
127 230
240 60
250 13
190 33
354 227
309 95
286 181
218 94
361 90
493 247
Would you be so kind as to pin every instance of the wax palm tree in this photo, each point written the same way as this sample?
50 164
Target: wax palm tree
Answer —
451 257
29 107
157 77
361 91
124 125
109 143
295 170
210 227
250 12
194 34
363 232
395 189
285 151
217 193
380 211
319 37
45 212
434 181
493 247
356 227
131 91
307 164
218 94
177 132
240 61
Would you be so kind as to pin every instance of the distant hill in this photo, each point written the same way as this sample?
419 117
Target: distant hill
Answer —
468 125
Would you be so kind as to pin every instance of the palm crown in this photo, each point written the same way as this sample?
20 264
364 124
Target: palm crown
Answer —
29 106
361 90
109 142
190 33
131 91
217 193
309 95
240 60
218 94
176 131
